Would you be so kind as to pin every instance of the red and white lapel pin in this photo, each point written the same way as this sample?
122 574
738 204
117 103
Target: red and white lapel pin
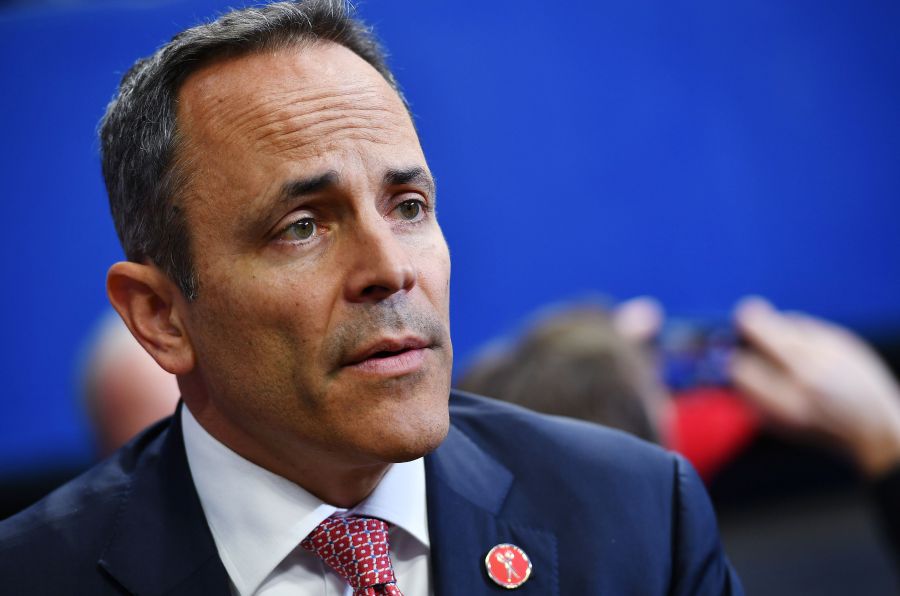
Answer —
508 566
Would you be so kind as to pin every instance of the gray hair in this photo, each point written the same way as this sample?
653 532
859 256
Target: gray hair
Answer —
139 134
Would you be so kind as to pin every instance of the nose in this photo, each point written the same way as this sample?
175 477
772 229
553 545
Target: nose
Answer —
381 263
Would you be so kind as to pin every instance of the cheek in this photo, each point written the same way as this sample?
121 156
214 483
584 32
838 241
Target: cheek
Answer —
268 318
434 272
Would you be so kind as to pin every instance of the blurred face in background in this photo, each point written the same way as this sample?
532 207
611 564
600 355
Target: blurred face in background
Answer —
321 322
125 389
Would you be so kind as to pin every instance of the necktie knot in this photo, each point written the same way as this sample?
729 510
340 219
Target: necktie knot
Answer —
357 549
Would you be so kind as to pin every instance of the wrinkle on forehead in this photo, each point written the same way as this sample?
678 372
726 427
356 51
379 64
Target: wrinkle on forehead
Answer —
358 116
310 101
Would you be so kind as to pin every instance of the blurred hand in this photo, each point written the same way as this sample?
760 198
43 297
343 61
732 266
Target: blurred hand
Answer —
639 320
813 377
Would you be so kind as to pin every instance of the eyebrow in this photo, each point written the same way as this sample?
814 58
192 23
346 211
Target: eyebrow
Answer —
295 189
413 175
308 186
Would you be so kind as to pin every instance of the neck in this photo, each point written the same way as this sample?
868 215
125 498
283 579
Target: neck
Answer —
343 488
320 472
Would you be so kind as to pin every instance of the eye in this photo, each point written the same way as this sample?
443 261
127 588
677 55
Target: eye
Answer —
302 229
411 210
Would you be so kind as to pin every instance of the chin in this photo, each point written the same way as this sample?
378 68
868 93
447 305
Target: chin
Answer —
423 444
412 437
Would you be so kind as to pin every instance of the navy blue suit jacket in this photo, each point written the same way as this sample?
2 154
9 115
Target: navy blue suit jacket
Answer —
597 511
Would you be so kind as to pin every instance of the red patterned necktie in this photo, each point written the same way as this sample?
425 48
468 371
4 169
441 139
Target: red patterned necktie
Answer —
357 548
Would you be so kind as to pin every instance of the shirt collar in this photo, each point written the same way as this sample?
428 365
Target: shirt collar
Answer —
399 499
257 518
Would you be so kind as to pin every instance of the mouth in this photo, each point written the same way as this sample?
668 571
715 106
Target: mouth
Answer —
390 357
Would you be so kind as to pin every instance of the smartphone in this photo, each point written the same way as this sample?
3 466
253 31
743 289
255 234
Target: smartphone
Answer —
695 353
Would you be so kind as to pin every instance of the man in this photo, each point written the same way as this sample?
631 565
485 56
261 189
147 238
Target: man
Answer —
574 361
285 263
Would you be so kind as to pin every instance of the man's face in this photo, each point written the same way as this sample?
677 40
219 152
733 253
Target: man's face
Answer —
322 318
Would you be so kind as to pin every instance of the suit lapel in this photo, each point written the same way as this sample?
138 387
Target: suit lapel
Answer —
468 514
161 543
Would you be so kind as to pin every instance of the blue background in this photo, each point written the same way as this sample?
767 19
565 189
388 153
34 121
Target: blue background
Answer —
695 152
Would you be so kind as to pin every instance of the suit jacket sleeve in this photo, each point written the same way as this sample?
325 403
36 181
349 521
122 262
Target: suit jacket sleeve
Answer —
700 566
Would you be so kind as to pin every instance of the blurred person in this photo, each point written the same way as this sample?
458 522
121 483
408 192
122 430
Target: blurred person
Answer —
601 365
286 264
124 389
575 362
817 381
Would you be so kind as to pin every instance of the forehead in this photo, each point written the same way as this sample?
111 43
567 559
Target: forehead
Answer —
295 102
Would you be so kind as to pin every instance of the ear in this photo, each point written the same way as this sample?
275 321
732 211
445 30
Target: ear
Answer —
153 308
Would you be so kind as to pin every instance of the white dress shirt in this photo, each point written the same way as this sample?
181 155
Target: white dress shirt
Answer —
258 520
